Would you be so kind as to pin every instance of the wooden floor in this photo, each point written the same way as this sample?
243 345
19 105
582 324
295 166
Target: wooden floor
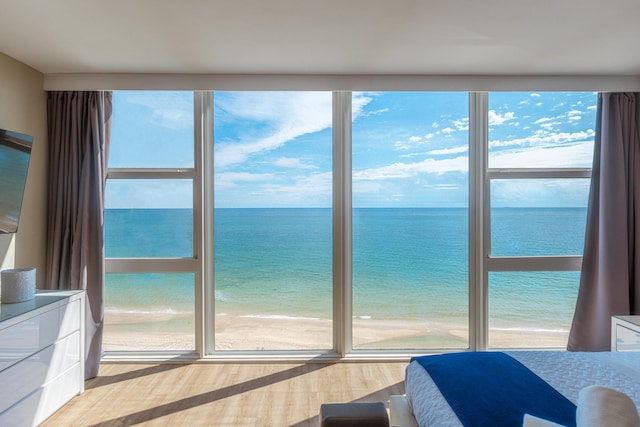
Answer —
226 394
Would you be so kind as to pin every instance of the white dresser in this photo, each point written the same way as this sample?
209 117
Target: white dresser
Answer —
625 333
41 356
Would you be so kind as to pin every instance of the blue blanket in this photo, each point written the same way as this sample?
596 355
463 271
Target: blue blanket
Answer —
494 389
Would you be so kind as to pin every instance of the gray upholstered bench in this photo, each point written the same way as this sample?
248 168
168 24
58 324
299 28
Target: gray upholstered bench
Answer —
359 414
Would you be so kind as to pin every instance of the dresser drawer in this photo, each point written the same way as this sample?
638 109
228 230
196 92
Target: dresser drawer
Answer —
27 337
68 316
30 336
39 369
44 401
41 356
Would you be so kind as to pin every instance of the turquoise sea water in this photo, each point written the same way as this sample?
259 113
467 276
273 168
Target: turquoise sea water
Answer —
407 263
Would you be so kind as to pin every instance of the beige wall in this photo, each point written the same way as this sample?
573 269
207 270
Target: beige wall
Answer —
23 106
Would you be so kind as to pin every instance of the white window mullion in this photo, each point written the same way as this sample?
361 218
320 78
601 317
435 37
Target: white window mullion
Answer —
478 231
203 205
146 265
200 120
342 244
534 263
152 173
537 173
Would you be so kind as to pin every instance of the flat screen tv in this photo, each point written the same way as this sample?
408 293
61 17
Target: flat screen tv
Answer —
15 151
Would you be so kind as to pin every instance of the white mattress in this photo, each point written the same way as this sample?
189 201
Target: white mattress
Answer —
567 372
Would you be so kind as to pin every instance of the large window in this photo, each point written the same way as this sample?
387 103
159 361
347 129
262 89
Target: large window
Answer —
410 220
151 236
540 149
319 223
272 220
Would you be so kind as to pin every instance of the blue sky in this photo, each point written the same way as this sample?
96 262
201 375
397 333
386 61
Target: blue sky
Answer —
409 149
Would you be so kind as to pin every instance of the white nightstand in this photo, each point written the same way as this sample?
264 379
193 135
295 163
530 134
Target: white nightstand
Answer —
625 333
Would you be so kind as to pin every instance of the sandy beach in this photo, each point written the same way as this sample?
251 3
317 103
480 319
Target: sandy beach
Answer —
167 332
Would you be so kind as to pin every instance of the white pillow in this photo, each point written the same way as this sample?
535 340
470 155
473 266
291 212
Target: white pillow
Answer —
602 406
531 421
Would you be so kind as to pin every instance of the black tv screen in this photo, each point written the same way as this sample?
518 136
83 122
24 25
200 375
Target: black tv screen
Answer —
15 151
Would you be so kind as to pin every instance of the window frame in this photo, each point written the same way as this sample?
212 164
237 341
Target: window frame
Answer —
172 264
481 262
490 263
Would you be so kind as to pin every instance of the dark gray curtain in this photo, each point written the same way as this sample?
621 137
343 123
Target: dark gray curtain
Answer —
79 125
610 279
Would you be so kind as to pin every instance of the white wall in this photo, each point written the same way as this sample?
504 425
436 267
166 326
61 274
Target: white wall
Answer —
23 108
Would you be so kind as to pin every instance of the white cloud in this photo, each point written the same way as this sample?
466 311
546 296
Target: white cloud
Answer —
543 138
540 193
498 119
173 110
359 112
446 187
368 187
548 126
149 194
452 150
409 155
274 190
360 100
232 179
287 115
302 190
407 170
570 116
292 163
574 115
413 142
579 155
462 124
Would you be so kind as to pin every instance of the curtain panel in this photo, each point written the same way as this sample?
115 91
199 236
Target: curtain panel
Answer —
79 125
610 277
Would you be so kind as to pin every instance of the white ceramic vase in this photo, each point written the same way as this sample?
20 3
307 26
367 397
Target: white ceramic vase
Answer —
17 285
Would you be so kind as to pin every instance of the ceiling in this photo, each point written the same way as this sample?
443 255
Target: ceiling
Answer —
344 37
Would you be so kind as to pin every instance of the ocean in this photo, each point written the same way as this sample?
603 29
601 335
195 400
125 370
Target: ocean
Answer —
409 265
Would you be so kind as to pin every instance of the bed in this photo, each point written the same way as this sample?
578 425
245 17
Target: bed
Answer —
567 372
